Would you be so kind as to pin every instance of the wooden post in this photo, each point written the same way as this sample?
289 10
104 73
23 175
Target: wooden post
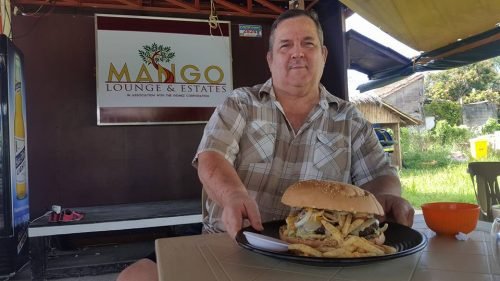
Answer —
396 158
5 18
331 16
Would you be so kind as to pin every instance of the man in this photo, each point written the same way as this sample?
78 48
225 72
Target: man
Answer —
264 138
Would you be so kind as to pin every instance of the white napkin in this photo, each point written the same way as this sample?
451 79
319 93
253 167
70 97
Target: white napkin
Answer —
462 236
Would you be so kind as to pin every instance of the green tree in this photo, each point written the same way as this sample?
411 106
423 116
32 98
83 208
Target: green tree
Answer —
467 84
447 134
496 64
483 95
491 126
449 111
457 83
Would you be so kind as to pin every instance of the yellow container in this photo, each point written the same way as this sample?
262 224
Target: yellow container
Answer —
479 148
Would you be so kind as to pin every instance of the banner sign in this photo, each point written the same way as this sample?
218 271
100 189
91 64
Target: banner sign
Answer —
250 30
160 70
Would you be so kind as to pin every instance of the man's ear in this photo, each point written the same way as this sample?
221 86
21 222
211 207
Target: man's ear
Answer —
269 58
324 52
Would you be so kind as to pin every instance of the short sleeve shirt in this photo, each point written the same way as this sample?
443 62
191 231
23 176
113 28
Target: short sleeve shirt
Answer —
251 131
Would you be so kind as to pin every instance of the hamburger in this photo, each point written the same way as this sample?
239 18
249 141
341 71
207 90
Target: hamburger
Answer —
317 205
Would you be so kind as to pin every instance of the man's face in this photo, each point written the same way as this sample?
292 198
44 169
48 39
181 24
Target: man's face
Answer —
297 58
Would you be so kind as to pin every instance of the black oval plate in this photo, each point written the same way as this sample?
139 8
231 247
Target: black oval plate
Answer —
406 240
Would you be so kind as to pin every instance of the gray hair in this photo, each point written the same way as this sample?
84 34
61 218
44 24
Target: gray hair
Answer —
293 13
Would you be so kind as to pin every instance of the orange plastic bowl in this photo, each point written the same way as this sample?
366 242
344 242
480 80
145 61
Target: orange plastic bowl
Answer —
450 218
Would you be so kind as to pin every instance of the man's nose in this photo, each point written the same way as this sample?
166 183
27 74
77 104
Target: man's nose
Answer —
297 52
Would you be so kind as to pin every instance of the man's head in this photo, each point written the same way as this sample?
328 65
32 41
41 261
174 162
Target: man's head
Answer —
296 55
288 14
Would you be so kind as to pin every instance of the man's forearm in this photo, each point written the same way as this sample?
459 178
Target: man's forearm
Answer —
384 185
218 176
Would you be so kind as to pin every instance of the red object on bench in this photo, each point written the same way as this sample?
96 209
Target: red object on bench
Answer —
66 216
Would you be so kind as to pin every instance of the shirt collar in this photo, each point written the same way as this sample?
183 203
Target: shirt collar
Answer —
267 89
325 97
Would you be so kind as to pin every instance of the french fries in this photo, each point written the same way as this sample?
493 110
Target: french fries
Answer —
304 250
335 234
347 225
367 246
355 224
347 246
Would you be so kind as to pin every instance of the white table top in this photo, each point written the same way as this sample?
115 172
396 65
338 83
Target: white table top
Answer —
216 257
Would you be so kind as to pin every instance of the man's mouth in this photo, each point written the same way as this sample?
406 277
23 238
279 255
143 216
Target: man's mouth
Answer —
297 66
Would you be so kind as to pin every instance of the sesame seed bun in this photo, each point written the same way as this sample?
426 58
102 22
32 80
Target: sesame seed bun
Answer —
331 195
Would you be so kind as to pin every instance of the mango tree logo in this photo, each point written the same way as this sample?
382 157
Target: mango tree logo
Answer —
158 56
154 54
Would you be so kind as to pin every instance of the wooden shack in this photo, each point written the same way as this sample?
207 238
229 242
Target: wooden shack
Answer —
386 116
407 95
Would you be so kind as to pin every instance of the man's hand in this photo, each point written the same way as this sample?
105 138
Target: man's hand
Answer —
396 209
223 185
238 206
387 190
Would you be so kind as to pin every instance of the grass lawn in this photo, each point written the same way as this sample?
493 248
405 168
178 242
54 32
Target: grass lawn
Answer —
432 184
435 165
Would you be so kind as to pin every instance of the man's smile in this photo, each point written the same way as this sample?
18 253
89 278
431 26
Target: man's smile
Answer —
297 66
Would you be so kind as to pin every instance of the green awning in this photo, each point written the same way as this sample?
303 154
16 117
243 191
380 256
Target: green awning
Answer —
449 33
426 25
473 49
370 57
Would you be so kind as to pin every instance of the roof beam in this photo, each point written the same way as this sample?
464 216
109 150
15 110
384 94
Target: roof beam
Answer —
232 6
181 4
243 8
128 2
270 6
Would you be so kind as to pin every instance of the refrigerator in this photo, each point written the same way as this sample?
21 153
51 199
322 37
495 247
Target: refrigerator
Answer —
14 195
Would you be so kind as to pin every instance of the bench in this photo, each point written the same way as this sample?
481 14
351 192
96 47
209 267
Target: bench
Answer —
109 218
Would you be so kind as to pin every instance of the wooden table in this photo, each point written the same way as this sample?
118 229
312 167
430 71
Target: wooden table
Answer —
216 257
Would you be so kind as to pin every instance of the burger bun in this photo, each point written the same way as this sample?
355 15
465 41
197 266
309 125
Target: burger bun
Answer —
331 195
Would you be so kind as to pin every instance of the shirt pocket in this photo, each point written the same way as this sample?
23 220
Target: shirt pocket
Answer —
259 144
331 156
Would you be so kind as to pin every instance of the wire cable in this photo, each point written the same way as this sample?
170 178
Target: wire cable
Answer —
37 15
42 216
34 14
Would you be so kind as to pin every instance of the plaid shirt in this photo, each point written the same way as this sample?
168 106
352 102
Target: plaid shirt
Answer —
251 130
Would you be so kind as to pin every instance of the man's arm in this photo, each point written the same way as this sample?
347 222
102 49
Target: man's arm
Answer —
387 190
223 185
387 184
